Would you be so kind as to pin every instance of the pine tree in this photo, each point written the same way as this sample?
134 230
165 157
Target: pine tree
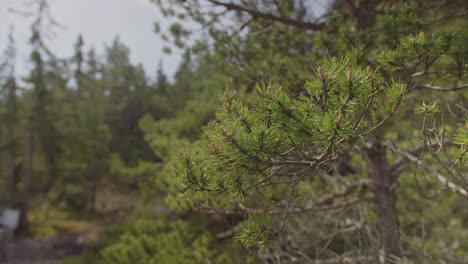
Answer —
44 75
9 87
162 84
128 91
86 156
270 158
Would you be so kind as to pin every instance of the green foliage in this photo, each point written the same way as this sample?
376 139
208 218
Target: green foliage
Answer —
461 138
320 119
274 149
173 242
427 108
256 230
336 109
462 134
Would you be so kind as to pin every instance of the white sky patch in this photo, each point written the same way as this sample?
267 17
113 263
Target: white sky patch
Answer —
99 21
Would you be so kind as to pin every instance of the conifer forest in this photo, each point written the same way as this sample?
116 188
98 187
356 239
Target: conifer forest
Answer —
285 135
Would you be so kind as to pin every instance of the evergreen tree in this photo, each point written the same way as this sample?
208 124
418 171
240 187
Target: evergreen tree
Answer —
8 92
86 155
287 136
162 84
44 78
128 90
317 169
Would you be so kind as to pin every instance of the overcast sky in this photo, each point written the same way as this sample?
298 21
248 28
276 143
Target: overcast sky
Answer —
99 21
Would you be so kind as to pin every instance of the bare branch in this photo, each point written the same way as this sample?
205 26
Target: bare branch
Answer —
228 233
335 260
267 16
275 211
439 88
441 178
397 168
345 191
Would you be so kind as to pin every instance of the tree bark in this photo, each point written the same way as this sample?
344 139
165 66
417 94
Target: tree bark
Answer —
9 155
31 144
93 195
385 198
24 221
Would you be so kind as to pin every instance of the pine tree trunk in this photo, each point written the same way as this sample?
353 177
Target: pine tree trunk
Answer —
9 155
9 173
24 222
385 201
93 195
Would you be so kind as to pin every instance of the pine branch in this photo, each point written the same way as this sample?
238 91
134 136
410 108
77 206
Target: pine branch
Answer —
267 16
313 207
349 188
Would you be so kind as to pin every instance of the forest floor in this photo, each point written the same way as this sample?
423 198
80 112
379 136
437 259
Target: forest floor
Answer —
42 250
56 235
